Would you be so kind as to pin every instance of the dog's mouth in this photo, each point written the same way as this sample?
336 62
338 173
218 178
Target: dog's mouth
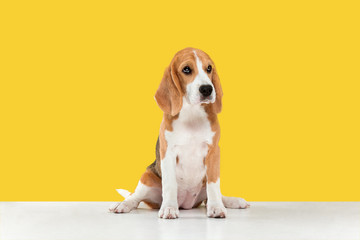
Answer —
206 100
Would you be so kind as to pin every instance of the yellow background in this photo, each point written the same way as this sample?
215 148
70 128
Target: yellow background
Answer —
78 117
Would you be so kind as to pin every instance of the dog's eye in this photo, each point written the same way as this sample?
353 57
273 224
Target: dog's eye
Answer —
209 69
186 70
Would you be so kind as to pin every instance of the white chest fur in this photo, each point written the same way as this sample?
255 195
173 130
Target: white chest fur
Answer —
189 142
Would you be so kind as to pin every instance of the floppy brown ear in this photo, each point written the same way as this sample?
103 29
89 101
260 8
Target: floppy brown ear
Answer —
169 96
217 105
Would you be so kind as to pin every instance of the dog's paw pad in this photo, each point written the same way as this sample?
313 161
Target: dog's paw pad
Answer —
216 212
169 213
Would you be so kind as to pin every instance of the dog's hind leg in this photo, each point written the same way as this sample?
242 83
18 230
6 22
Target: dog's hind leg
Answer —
234 202
147 190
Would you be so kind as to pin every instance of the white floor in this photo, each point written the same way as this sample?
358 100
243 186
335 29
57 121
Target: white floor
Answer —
264 220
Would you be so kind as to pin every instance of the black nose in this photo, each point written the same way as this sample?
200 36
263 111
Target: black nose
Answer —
206 90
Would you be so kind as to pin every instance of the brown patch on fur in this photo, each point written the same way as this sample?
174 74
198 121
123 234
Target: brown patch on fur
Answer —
152 205
214 122
204 182
150 179
167 121
212 163
165 125
212 160
169 94
163 142
217 105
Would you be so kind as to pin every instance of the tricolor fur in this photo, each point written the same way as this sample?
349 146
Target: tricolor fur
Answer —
186 171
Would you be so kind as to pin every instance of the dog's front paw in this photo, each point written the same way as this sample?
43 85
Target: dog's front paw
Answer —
216 211
168 212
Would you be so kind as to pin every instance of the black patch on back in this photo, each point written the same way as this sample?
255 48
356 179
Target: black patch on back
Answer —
155 166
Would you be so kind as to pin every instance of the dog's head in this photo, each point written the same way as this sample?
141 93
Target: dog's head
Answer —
192 75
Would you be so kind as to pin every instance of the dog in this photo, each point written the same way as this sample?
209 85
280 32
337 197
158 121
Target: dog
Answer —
186 171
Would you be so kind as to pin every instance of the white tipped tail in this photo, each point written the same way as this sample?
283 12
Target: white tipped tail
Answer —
123 192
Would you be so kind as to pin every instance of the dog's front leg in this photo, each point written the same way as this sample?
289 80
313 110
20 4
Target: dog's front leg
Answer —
215 206
169 207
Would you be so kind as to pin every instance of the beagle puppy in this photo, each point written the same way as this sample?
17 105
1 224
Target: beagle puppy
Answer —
186 171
